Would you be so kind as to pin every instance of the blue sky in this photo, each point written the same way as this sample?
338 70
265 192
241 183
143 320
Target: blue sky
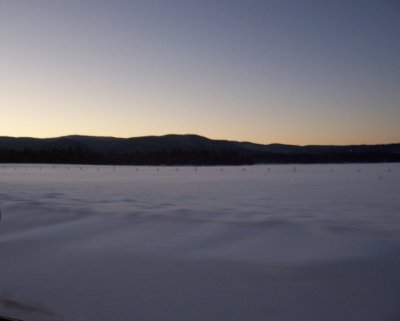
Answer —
297 72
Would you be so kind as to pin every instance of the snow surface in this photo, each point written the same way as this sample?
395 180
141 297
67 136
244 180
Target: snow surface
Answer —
256 243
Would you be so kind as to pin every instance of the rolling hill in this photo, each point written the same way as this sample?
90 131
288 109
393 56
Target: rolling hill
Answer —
181 149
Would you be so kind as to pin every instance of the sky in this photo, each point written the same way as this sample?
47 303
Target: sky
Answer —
273 71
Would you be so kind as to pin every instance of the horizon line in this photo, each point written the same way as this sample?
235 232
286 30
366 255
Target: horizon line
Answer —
193 134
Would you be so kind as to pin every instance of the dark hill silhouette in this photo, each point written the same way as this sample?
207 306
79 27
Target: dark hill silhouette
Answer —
181 149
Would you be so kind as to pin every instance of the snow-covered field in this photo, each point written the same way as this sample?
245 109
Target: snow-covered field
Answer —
257 243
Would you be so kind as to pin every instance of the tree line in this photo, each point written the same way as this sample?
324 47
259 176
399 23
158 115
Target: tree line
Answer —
185 157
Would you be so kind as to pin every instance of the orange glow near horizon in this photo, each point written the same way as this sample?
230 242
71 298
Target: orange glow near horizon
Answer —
137 69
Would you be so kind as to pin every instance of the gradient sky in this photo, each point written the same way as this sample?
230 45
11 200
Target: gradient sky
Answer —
296 72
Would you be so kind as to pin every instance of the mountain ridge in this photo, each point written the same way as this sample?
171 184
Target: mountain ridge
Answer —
182 149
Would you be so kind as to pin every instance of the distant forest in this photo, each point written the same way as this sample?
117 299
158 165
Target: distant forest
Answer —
181 150
181 157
